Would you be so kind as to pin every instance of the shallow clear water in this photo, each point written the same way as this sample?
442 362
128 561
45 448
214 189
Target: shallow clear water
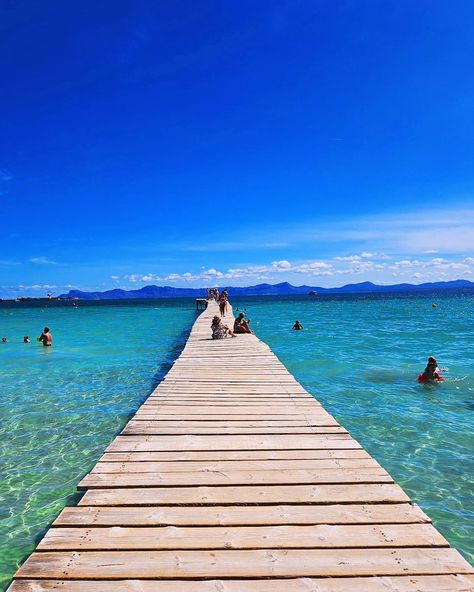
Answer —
359 356
61 406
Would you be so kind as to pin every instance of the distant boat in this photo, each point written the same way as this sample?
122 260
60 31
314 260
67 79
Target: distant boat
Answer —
312 293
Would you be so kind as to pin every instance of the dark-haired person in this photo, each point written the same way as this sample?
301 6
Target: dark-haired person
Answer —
46 337
241 325
297 326
431 372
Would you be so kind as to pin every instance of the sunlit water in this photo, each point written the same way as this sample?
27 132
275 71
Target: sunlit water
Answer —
61 406
360 357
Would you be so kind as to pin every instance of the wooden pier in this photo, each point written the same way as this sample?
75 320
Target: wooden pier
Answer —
232 478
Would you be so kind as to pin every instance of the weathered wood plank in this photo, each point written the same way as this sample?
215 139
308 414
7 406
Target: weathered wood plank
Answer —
136 428
262 494
244 477
323 536
237 455
443 583
251 465
236 420
236 442
243 563
241 515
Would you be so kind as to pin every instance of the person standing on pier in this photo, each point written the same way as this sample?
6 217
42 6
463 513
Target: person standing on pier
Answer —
223 303
46 337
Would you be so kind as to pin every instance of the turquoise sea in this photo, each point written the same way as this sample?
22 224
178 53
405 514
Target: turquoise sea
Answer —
358 355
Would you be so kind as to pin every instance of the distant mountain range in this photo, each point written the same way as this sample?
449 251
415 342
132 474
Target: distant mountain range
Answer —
282 289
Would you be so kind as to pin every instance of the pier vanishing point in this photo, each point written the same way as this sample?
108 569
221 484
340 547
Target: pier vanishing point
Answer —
232 478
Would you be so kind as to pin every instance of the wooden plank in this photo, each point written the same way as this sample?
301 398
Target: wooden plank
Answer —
311 420
244 477
322 536
257 407
230 465
137 428
237 455
262 494
236 442
243 563
219 423
400 513
442 583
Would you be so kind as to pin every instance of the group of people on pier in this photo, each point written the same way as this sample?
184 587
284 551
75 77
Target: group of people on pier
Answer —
219 329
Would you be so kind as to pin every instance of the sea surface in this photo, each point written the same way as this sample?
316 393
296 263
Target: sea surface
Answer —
359 355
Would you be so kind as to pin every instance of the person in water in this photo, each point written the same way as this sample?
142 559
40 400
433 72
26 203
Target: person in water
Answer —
219 330
26 339
4 340
297 326
241 325
46 337
431 371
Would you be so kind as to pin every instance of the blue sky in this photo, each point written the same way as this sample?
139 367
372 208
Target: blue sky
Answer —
197 142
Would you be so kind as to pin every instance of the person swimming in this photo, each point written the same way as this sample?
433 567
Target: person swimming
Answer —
46 337
26 339
297 326
431 372
4 340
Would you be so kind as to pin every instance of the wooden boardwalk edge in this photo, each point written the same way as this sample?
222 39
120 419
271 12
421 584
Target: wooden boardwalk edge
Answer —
232 478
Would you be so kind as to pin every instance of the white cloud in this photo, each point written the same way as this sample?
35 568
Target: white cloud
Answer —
42 261
351 258
373 265
281 265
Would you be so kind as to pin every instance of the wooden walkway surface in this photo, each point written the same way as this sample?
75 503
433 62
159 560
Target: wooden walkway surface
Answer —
232 478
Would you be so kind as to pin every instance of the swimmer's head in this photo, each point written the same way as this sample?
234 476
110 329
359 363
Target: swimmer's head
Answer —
46 330
432 361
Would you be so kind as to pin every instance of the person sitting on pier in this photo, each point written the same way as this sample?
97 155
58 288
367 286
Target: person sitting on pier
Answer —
241 325
431 372
219 330
46 337
297 326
